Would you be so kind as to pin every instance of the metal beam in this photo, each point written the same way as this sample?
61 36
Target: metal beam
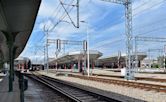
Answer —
69 42
150 39
158 50
116 1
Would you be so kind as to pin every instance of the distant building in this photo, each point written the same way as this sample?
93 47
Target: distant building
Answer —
147 63
21 63
153 63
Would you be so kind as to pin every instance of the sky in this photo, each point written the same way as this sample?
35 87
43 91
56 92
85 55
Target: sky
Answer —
105 22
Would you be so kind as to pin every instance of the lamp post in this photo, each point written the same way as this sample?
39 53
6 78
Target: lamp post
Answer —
87 32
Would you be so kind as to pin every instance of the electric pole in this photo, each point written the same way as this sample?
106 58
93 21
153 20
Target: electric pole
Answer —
47 50
46 45
128 33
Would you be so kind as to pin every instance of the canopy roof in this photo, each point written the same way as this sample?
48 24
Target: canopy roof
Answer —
17 19
75 56
113 59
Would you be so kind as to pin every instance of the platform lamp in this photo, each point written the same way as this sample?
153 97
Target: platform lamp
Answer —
87 30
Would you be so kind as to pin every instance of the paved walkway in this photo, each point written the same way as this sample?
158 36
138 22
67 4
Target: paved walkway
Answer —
34 93
6 96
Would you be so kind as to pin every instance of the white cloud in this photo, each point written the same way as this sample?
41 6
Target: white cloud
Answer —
94 11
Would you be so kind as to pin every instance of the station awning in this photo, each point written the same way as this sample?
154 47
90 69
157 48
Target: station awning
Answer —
75 56
17 19
112 59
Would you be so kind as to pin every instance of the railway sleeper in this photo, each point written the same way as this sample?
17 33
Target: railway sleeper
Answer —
86 97
141 87
80 95
158 89
162 90
121 83
131 85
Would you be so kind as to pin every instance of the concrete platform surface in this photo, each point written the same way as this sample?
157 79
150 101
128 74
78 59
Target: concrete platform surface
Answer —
6 96
34 93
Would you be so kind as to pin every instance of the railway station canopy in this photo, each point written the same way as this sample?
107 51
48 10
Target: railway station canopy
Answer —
75 56
17 19
113 59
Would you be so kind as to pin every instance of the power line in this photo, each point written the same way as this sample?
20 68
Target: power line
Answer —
156 4
61 8
156 29
141 5
150 24
56 11
61 18
68 13
108 43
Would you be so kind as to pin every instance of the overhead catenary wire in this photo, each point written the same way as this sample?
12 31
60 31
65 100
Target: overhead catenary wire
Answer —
144 3
56 11
155 29
154 5
144 9
61 18
151 23
67 13
57 8
48 29
108 43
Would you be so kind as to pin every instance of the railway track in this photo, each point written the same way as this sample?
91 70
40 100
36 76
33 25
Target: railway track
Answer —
73 93
42 93
145 86
136 78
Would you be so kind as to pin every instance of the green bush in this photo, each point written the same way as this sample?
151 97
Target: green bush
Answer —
155 66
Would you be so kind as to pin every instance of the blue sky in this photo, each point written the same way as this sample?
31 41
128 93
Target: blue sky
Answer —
106 26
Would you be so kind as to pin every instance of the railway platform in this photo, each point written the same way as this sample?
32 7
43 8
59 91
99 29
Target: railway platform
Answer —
5 95
34 93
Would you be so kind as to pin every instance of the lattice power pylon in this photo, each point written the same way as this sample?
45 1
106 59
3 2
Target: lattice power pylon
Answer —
128 32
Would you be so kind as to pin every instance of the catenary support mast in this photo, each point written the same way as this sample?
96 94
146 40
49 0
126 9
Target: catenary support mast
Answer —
128 33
